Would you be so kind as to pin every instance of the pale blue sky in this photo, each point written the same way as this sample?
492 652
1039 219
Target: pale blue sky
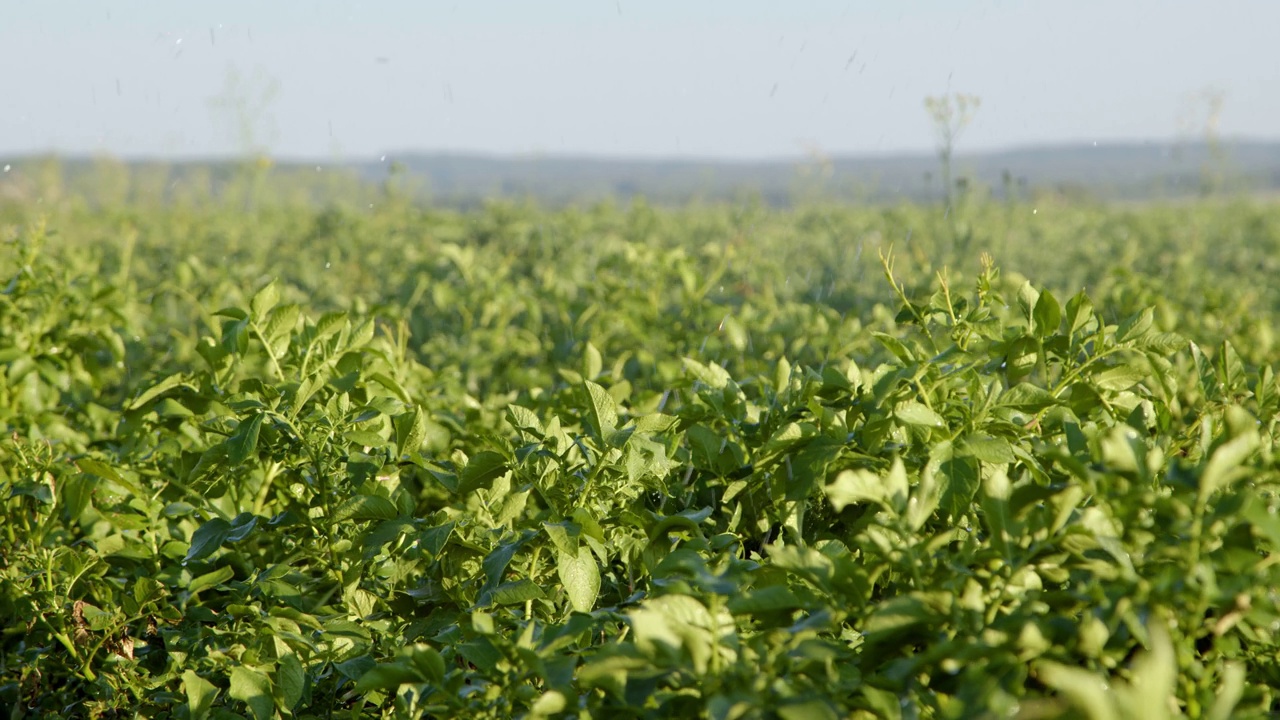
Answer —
741 78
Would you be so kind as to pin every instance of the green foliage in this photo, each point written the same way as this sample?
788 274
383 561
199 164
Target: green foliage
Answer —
646 464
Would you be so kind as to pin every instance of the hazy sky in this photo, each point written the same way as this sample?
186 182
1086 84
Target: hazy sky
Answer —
740 78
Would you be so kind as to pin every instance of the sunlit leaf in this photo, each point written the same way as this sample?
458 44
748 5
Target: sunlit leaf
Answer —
580 576
200 695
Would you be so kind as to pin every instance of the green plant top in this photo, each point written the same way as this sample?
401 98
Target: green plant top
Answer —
596 486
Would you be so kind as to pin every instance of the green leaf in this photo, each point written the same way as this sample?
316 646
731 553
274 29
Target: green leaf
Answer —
551 702
1223 466
675 622
427 660
883 703
264 300
155 391
988 449
962 481
1027 397
211 579
604 411
1047 315
365 507
482 622
244 441
899 614
307 388
784 439
234 313
851 487
781 376
281 322
897 486
1230 691
927 494
1155 673
525 419
39 491
1135 327
895 346
517 592
241 526
329 325
434 539
564 536
390 676
591 362
655 423
1164 342
211 535
200 695
411 431
106 472
361 335
734 333
253 689
713 376
810 709
1122 450
772 598
1230 368
480 471
146 589
1021 358
1209 382
495 566
996 489
207 539
580 576
1086 690
914 413
98 619
235 337
393 385
366 439
1028 299
1080 313
291 680
385 532
1119 378
354 668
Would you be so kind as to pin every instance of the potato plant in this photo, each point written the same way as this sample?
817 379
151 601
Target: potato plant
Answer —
639 463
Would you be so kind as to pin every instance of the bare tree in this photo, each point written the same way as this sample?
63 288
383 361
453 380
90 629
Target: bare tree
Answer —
950 114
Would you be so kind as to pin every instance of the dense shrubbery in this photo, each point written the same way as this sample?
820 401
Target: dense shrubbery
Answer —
639 463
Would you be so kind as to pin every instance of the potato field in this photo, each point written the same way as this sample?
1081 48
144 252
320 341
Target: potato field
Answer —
620 461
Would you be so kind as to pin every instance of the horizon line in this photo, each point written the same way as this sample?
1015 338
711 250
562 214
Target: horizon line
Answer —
589 156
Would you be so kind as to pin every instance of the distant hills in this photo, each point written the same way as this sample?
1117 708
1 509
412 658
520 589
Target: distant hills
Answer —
1126 171
1123 171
